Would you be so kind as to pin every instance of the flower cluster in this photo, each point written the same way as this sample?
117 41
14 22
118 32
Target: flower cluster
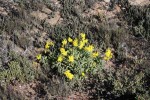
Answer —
71 51
76 57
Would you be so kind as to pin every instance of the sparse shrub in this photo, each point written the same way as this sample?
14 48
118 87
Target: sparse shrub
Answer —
19 68
118 84
7 94
138 18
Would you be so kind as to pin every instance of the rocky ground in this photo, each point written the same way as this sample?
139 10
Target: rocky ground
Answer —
25 26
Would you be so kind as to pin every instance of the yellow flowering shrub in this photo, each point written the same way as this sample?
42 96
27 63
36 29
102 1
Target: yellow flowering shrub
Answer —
76 58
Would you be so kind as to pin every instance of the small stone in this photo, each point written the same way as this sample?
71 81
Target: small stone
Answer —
108 1
3 12
46 10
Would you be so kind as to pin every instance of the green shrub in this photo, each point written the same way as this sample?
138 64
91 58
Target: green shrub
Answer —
118 83
19 68
76 58
138 18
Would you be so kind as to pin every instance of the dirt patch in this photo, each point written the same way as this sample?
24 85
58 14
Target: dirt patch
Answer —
46 10
101 11
26 90
139 2
44 14
56 19
39 15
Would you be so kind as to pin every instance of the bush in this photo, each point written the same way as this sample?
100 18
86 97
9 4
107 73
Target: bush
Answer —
19 68
76 58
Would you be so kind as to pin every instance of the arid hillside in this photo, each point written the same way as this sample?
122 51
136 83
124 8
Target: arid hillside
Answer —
74 49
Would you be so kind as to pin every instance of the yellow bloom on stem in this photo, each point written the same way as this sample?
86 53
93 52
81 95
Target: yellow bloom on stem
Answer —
48 44
71 58
64 42
90 48
68 74
81 44
39 56
82 36
63 51
75 42
70 39
83 74
108 54
86 40
60 58
95 54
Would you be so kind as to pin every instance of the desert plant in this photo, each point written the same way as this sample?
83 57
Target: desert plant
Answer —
18 69
76 58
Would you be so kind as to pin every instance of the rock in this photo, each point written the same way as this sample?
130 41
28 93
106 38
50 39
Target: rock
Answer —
139 2
3 12
46 10
107 1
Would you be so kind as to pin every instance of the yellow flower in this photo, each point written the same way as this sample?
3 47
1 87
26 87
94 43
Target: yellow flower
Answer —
48 44
71 58
108 54
95 54
81 45
83 74
68 74
86 40
60 58
82 36
64 42
70 39
89 48
39 56
75 42
63 52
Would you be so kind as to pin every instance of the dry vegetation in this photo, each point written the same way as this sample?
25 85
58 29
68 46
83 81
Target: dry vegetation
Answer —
26 25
